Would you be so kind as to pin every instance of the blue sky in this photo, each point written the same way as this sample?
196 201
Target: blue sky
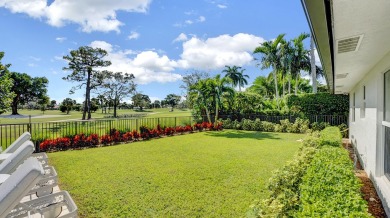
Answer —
158 41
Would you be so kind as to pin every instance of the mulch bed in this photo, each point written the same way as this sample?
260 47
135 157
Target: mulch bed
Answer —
368 190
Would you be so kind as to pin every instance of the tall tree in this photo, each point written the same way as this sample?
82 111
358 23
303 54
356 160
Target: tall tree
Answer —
67 104
199 95
83 64
27 89
270 57
118 86
218 86
300 58
140 100
236 75
172 100
263 86
313 65
6 83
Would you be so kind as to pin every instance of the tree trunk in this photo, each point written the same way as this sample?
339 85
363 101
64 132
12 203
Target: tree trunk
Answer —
216 112
208 114
14 106
296 84
115 105
87 96
276 84
283 86
289 84
313 66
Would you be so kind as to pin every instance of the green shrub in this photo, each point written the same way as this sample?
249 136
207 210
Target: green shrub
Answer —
320 103
257 125
316 126
247 124
227 124
331 136
344 130
285 125
284 187
330 188
278 128
268 126
299 126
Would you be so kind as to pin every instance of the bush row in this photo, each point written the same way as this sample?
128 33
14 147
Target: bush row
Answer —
299 126
115 136
291 190
330 188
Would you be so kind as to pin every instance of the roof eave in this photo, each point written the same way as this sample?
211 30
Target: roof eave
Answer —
319 17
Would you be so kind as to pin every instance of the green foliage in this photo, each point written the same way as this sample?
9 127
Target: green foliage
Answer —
283 200
26 89
330 188
344 130
331 136
318 126
320 103
83 64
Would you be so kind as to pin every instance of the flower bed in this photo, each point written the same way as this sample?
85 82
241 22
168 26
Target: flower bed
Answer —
115 136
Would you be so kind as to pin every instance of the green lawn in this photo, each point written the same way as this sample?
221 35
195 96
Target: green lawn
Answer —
208 174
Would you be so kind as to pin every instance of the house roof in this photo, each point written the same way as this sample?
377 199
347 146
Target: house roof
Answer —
352 36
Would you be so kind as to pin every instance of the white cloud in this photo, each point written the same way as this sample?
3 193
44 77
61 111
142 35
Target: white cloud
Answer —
214 53
133 35
201 19
91 15
189 22
61 39
147 66
181 37
222 6
102 44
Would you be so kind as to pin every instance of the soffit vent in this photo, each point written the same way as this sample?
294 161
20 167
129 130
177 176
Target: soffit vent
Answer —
341 76
350 44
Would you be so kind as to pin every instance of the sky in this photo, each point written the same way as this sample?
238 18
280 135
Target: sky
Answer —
159 41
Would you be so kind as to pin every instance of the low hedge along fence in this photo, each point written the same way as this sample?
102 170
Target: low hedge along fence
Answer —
319 182
299 126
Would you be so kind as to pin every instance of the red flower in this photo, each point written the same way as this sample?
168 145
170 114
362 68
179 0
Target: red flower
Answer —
106 139
128 136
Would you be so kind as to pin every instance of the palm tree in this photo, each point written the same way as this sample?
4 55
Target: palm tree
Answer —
241 81
218 86
312 65
199 96
270 57
299 58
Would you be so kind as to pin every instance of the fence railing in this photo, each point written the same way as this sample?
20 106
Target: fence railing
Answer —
52 130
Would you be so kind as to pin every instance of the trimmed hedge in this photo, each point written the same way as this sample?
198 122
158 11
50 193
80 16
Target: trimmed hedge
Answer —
331 136
320 103
320 173
330 188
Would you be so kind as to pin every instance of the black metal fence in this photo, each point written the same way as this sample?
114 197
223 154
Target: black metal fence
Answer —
52 130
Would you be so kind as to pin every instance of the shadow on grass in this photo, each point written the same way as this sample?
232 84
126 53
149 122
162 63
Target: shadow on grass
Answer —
243 134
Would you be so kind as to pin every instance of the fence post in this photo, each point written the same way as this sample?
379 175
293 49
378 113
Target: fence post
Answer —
175 122
136 124
29 125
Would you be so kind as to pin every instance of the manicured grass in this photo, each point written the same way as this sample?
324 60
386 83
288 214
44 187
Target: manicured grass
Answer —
208 174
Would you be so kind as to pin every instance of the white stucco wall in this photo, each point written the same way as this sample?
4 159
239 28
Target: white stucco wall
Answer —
366 132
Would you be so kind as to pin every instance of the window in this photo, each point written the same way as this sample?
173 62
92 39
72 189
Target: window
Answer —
353 108
387 128
387 97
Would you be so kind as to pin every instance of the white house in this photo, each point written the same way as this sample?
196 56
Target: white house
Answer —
353 42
